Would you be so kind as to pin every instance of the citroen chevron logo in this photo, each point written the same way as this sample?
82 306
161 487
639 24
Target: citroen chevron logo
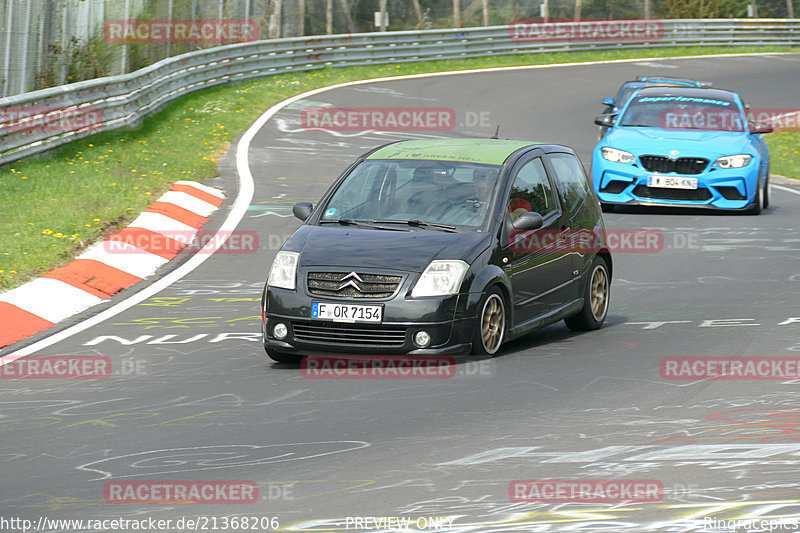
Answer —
352 277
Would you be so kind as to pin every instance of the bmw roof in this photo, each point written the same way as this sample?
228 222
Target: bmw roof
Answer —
693 92
485 151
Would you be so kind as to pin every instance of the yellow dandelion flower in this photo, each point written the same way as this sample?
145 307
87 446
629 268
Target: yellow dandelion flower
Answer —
59 234
47 231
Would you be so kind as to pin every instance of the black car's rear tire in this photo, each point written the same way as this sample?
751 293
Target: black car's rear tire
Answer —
490 323
290 358
595 299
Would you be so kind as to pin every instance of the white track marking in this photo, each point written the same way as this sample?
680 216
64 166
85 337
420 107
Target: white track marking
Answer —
205 188
247 186
786 189
164 225
189 202
125 257
50 299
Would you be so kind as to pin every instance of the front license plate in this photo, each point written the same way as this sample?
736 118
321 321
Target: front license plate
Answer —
668 182
347 312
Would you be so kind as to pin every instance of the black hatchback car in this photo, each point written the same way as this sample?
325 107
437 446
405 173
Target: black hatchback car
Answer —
441 246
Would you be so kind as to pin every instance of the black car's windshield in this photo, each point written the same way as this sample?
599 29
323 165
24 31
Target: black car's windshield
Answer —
683 112
427 193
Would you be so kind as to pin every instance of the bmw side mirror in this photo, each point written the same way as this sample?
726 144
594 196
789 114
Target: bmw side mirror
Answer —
761 128
607 120
302 210
528 221
607 101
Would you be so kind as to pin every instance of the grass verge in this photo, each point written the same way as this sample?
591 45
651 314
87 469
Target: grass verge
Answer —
55 206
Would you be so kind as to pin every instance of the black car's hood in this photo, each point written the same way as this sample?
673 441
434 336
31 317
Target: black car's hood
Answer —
340 246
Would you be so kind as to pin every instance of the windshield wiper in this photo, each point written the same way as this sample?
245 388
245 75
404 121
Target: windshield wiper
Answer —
346 222
357 223
419 223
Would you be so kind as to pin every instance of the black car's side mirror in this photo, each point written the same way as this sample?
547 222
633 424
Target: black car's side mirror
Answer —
606 120
302 210
528 221
607 101
761 128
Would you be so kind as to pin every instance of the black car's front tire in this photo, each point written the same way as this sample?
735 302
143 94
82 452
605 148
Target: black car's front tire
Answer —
288 358
490 323
595 299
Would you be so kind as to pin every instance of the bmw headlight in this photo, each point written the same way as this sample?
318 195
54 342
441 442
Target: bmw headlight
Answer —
440 278
283 271
733 161
617 156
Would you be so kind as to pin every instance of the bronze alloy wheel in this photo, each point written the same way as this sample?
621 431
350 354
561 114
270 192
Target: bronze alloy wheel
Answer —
599 292
493 323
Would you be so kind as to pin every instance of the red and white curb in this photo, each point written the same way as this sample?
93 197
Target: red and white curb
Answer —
127 257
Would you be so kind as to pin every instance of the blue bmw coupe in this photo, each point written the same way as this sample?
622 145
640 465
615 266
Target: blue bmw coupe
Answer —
685 147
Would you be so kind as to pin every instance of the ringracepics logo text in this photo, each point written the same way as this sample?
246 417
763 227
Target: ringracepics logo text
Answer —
586 30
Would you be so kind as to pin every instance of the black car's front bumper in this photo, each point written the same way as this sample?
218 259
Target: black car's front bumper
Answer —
445 319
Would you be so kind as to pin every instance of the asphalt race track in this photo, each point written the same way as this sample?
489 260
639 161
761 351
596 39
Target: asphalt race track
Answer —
193 397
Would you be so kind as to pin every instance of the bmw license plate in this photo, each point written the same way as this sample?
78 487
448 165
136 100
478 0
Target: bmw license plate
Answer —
671 182
347 312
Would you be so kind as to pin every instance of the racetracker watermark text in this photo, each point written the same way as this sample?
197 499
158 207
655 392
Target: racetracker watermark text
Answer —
133 241
730 368
173 492
181 31
378 367
586 490
50 119
378 118
57 367
586 30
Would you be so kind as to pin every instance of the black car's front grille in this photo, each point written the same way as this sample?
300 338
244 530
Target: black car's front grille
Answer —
643 191
358 334
615 187
682 165
352 284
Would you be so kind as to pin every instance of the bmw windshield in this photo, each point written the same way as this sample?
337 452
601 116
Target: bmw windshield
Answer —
417 193
683 112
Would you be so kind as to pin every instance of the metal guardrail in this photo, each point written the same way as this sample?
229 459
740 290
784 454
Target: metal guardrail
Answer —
117 101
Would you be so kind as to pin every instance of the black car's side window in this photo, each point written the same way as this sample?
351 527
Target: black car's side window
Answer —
531 191
572 178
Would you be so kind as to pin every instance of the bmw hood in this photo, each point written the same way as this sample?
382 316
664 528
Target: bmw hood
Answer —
350 247
690 143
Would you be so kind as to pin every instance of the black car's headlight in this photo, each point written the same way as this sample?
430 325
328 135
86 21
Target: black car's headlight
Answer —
732 161
617 156
283 273
440 278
